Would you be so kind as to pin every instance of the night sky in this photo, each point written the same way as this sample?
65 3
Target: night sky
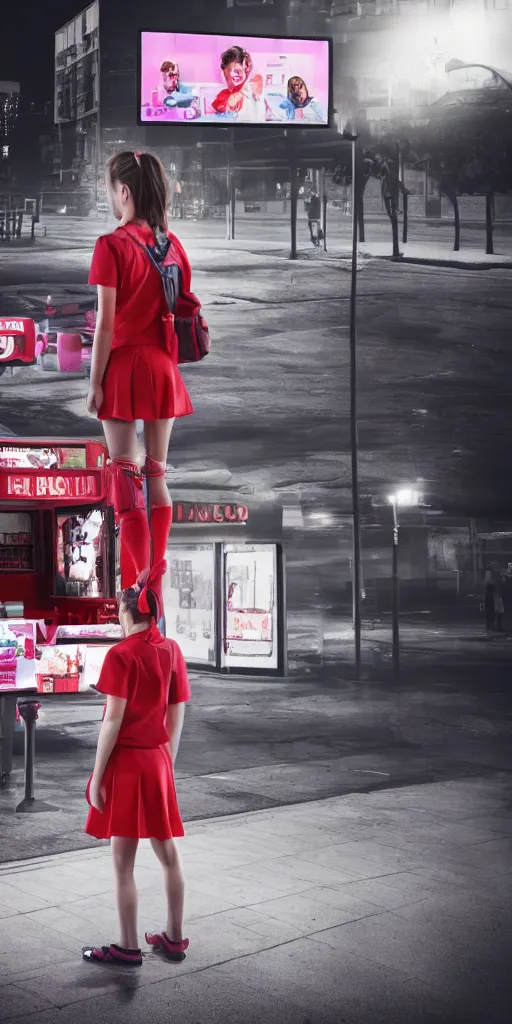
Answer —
28 43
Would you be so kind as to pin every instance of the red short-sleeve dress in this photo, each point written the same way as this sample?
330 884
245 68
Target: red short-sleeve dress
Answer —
142 380
149 672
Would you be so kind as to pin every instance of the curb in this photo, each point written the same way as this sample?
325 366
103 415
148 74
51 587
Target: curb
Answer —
192 828
433 261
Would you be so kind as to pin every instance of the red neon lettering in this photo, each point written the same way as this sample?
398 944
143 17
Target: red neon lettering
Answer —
57 486
19 486
218 516
242 513
203 514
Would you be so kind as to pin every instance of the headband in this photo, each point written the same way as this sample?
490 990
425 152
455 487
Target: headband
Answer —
149 580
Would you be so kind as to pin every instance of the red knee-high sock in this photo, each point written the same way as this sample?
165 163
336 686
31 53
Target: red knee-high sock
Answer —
135 540
161 522
126 493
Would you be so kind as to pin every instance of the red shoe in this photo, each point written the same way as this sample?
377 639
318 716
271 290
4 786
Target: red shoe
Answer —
112 955
172 950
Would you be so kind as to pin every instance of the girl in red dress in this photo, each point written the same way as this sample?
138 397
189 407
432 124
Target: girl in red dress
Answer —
134 371
131 792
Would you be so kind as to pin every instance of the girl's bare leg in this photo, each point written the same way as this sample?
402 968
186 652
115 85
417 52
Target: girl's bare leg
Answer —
123 858
167 853
121 439
157 436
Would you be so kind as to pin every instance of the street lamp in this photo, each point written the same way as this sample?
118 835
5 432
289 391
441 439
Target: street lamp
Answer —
406 497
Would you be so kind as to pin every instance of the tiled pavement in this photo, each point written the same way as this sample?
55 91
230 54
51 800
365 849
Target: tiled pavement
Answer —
391 907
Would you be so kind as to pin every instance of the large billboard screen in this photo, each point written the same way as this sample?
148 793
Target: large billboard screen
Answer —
216 79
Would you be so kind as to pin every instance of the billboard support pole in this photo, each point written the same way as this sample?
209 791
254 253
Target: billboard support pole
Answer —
231 204
356 512
324 205
294 194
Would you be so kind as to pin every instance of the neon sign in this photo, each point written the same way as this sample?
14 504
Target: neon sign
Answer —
33 486
210 515
12 326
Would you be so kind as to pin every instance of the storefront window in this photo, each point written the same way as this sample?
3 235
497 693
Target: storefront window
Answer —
82 555
189 601
250 612
17 547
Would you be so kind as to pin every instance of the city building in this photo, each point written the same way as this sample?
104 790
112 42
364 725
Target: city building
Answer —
9 107
77 97
96 60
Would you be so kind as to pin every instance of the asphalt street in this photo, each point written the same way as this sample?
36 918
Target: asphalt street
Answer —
251 745
272 400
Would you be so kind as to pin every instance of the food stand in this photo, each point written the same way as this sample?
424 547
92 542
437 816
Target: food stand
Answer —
60 339
59 574
17 342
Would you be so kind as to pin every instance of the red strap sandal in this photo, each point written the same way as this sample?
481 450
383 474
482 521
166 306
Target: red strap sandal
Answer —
174 951
112 955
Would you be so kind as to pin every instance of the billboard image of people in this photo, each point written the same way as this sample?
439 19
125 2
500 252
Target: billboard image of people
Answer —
214 79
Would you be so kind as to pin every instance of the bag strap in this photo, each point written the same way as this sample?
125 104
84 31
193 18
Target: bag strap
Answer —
170 282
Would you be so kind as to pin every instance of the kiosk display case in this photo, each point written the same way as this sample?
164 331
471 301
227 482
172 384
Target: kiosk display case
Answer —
58 570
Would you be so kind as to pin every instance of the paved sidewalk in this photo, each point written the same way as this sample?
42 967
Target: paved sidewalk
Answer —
388 907
438 253
421 253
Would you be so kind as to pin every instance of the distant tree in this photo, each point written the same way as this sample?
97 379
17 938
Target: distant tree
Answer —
376 158
435 146
366 168
489 168
466 152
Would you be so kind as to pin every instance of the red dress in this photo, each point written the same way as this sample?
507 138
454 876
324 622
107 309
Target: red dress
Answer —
149 672
142 380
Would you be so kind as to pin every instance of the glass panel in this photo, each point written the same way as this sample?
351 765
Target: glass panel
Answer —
17 548
250 614
82 555
14 456
189 601
17 653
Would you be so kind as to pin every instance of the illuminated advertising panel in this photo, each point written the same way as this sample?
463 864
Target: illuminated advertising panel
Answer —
193 78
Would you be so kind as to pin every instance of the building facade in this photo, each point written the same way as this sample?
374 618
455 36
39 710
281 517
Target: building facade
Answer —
9 109
96 82
392 54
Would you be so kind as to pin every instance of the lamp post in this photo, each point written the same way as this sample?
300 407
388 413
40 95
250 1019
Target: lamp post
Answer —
406 497
354 438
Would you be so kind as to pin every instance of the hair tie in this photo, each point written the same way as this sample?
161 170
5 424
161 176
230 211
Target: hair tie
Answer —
150 581
137 159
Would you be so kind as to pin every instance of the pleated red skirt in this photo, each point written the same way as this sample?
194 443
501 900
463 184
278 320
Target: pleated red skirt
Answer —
141 800
142 382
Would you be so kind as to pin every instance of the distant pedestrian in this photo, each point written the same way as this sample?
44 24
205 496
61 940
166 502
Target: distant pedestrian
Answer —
313 210
499 610
131 792
490 593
